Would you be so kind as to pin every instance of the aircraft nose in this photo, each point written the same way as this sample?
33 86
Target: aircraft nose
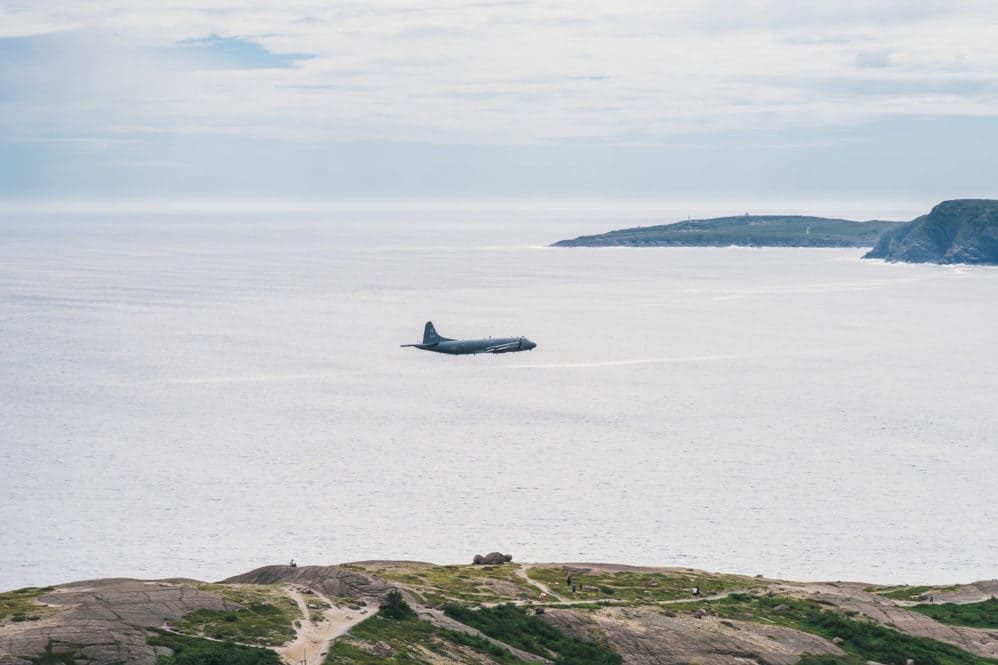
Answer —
530 345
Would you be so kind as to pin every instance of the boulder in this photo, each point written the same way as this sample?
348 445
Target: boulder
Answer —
494 559
382 650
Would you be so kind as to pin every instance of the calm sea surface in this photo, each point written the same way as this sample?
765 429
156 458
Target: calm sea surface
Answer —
199 394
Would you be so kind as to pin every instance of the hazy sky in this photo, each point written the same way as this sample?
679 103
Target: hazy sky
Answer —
320 99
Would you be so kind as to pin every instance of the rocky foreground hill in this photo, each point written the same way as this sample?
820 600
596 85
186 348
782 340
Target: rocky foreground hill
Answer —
507 613
960 231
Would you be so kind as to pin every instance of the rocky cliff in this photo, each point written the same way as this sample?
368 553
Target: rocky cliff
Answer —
960 231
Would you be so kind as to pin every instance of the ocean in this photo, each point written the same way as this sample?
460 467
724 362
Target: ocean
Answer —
197 392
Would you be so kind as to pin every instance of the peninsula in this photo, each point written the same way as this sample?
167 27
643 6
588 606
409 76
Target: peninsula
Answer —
959 231
496 611
744 230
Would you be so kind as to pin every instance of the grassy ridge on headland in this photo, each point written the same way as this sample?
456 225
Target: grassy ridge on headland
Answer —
515 627
906 592
861 638
615 614
975 615
409 640
639 586
744 230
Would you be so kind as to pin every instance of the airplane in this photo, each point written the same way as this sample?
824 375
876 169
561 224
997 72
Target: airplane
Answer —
434 342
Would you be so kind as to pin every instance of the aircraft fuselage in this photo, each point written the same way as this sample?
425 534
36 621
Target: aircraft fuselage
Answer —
459 347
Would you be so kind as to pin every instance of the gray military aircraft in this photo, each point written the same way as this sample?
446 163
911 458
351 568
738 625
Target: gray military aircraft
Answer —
434 342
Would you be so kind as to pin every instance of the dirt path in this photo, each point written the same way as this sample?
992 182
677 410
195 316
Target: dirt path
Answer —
521 571
312 640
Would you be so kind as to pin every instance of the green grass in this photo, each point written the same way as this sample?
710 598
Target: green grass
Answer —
410 639
512 625
905 592
471 584
20 605
267 618
863 639
259 623
195 651
975 615
637 586
343 652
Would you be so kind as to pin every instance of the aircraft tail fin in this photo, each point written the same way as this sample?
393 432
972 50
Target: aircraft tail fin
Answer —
430 335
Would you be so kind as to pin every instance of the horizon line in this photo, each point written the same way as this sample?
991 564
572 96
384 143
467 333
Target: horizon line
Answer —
736 205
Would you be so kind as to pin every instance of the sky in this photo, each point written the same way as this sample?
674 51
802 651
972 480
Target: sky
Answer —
320 99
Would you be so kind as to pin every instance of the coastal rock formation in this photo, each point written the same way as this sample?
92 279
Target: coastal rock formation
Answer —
103 621
643 616
960 231
329 580
647 636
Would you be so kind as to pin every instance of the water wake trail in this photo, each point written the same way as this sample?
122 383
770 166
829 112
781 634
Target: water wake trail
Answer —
672 359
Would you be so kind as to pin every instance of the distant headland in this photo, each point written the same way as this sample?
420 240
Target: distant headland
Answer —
744 230
958 231
495 611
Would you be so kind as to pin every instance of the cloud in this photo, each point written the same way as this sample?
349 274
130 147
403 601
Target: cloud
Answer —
440 72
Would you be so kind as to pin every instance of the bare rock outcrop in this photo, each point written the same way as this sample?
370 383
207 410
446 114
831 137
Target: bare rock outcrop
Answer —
330 580
104 621
649 636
